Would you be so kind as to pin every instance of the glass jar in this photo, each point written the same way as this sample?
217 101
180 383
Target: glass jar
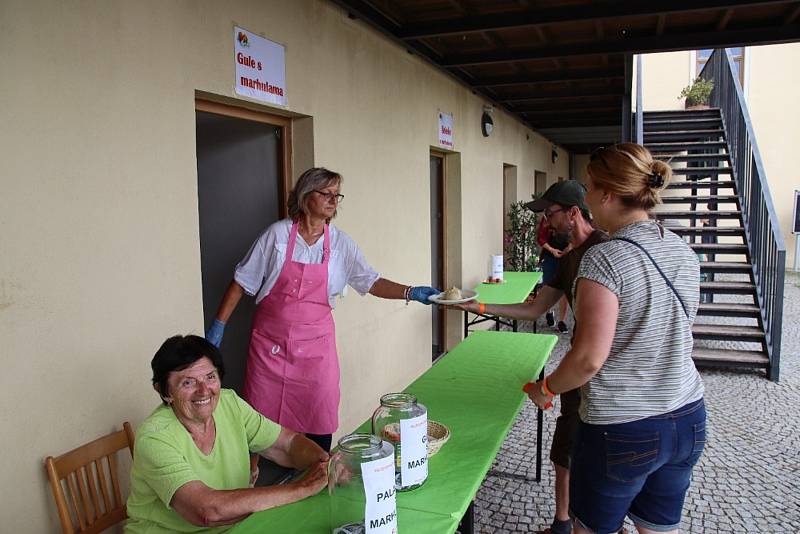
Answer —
361 486
403 422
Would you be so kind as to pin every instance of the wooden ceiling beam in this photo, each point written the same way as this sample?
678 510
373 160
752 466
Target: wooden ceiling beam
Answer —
566 122
592 13
565 98
550 77
565 94
637 45
661 24
724 20
568 111
792 16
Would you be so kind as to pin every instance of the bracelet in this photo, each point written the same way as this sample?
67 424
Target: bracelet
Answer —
407 294
481 308
545 389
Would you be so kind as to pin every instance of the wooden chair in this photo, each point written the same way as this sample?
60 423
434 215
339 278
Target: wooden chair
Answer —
80 483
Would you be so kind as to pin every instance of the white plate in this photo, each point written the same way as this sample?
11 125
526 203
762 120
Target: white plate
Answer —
467 295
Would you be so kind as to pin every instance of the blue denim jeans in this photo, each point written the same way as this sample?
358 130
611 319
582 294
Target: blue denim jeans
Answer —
641 469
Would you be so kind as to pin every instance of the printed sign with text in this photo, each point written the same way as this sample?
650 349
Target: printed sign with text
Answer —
414 449
446 130
260 67
380 512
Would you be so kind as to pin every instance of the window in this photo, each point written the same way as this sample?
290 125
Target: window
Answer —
738 61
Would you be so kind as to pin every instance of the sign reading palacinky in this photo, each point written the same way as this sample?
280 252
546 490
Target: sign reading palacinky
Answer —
260 67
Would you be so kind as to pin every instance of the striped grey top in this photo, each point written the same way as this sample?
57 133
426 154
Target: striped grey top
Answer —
649 370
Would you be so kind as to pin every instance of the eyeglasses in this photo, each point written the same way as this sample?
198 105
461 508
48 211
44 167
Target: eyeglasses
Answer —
549 214
331 197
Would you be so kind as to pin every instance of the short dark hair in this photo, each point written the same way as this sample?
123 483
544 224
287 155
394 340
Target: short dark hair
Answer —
179 352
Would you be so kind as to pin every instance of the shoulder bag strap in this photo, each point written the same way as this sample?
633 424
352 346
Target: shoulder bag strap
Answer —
672 287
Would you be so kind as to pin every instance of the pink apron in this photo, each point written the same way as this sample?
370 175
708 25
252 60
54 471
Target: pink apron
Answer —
293 370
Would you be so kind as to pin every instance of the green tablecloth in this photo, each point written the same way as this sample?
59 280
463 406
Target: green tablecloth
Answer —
515 288
476 390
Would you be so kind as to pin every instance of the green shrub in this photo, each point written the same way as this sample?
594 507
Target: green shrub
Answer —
699 92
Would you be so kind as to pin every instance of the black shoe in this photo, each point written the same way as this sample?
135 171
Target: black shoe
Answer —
550 317
562 327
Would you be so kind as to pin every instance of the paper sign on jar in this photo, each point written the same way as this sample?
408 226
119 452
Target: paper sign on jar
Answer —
497 267
380 512
414 450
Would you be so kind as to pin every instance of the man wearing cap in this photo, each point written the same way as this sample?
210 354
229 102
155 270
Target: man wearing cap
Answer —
563 207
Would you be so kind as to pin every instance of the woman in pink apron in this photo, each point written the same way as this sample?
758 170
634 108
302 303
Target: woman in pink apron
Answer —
295 269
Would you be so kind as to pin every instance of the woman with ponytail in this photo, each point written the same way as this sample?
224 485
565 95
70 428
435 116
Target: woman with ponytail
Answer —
642 415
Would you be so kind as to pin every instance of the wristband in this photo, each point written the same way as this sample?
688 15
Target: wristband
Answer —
481 308
546 390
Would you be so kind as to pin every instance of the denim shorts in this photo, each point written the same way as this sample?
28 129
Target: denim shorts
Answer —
641 469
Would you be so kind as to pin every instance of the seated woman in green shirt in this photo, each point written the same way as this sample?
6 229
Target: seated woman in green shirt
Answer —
191 466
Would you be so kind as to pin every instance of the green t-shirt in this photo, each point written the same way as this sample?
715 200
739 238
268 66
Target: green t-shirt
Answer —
165 458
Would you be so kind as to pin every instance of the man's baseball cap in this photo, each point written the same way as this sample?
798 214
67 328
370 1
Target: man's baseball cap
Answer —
567 193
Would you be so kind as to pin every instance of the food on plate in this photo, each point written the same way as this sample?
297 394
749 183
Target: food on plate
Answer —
452 294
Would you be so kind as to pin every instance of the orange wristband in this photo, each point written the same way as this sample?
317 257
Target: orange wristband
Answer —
547 391
481 308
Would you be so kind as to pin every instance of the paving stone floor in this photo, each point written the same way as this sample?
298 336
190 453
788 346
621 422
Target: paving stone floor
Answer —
748 479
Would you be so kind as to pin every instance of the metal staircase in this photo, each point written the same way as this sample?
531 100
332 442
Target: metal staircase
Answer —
702 204
719 200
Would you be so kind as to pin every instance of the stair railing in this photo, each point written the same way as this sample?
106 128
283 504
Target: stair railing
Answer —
766 244
638 127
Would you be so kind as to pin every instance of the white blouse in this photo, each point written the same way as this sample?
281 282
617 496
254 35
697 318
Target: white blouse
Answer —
259 270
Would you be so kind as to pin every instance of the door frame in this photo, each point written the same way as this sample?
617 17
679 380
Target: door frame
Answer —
284 125
443 243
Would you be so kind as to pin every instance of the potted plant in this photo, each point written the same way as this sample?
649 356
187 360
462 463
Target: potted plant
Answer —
519 240
698 94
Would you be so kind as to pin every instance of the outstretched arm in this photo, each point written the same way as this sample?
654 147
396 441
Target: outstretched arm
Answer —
545 299
387 289
205 506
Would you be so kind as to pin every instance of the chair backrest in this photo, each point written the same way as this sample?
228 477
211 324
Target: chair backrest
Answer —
85 483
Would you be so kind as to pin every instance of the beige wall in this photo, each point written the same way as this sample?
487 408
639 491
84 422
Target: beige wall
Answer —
663 77
771 97
100 256
775 112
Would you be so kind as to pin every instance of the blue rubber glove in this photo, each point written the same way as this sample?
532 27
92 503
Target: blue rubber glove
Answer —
214 332
421 293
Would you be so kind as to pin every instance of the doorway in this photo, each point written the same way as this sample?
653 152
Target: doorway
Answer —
437 173
509 193
241 188
539 182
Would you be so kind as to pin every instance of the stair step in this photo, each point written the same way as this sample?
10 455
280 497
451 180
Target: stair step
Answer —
732 358
728 310
728 288
697 215
715 230
702 170
682 124
687 184
720 332
719 248
675 158
684 135
700 199
681 113
725 267
660 148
